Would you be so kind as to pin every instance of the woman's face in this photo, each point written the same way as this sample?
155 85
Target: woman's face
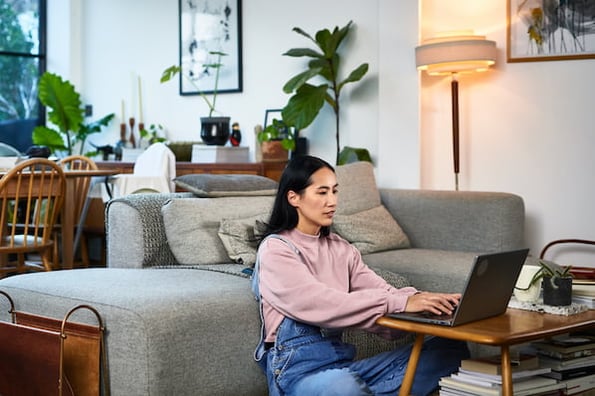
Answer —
317 204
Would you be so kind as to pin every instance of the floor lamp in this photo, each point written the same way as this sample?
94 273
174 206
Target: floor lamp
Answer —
452 54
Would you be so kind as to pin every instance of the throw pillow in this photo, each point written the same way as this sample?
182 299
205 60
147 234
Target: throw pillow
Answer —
208 185
361 218
240 237
192 225
357 187
371 230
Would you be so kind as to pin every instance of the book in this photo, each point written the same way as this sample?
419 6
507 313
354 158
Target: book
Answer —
557 364
565 343
492 364
528 386
566 355
580 384
581 289
496 378
570 373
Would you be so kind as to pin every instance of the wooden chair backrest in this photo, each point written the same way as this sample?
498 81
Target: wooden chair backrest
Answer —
31 198
81 184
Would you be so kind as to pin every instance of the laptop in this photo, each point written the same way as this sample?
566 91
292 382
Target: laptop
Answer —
488 289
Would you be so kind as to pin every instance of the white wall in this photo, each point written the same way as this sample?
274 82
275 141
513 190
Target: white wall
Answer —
119 43
526 128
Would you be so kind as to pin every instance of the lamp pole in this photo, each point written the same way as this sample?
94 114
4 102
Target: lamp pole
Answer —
454 90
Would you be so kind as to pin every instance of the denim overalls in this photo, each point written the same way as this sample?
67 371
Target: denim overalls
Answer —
308 360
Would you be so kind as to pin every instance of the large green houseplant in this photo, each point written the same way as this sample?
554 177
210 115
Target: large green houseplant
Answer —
214 130
67 114
307 98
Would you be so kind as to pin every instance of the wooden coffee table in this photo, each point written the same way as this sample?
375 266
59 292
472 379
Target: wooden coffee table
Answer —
514 327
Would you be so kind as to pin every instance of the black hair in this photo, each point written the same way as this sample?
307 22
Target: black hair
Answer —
297 176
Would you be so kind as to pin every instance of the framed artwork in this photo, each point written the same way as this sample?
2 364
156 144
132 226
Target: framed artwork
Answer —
208 28
542 30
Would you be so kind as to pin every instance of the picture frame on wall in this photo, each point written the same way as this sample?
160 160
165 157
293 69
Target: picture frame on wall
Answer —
206 28
538 31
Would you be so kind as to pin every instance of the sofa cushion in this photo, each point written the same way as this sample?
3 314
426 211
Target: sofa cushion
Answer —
371 230
192 225
240 237
207 185
361 218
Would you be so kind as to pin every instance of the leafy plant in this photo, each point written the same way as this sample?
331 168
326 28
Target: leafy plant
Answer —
278 130
67 114
152 134
324 64
173 70
551 271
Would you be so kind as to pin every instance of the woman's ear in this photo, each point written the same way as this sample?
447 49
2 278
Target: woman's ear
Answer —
293 198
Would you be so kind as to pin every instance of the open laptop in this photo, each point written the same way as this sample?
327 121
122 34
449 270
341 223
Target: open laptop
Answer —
487 292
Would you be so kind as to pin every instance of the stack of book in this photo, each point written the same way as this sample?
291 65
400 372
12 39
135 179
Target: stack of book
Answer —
571 359
583 286
483 376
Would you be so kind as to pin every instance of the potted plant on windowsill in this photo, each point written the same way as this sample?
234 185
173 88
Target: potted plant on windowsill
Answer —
214 129
308 99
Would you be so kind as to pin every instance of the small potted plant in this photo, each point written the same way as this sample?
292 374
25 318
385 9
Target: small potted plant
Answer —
556 283
214 130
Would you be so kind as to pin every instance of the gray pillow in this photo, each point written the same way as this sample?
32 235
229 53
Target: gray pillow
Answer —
357 187
240 237
192 224
371 230
208 185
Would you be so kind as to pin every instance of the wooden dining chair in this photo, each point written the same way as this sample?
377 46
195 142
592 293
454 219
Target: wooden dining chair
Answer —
31 198
81 192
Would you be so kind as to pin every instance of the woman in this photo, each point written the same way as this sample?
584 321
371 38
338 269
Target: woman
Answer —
312 283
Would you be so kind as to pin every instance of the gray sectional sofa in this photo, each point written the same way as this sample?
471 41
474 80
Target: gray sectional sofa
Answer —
179 313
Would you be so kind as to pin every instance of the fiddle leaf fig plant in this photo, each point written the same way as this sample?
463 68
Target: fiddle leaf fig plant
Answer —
66 114
324 64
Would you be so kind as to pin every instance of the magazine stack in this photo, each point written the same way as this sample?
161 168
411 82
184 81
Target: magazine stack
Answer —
483 377
571 359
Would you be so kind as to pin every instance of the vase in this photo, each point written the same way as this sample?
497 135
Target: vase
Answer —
214 131
524 290
557 291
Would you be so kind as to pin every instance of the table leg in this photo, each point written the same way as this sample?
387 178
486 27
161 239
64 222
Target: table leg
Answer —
67 226
506 371
412 365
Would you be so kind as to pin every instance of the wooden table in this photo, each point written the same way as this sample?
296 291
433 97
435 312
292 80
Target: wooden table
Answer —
514 327
68 215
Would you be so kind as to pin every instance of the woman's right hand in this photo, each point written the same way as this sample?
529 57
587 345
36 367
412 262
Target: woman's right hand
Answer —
436 303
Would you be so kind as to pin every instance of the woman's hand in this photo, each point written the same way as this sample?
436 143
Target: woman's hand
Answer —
436 303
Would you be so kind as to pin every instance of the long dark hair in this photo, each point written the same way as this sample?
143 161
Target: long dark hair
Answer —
296 177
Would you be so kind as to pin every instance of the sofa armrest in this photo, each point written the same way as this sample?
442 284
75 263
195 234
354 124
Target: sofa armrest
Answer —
468 221
135 232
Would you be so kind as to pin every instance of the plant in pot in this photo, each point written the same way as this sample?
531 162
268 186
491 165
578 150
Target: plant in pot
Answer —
324 65
214 130
556 281
67 114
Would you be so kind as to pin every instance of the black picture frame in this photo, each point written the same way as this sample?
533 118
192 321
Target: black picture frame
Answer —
207 26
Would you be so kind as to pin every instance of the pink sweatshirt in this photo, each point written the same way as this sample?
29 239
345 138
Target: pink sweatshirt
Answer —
329 286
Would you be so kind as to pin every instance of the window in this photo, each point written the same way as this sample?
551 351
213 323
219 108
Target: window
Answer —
22 61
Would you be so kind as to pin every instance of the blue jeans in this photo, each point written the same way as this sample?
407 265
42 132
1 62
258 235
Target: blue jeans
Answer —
305 361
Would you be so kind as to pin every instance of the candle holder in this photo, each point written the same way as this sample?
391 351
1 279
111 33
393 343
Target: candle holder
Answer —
131 122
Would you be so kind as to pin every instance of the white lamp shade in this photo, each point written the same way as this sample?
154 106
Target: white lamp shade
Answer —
455 54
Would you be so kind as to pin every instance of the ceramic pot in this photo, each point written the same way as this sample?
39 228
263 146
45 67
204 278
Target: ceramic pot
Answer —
214 131
273 151
557 291
524 290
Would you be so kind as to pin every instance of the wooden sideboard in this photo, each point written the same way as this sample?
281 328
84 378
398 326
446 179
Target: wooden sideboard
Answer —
270 169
